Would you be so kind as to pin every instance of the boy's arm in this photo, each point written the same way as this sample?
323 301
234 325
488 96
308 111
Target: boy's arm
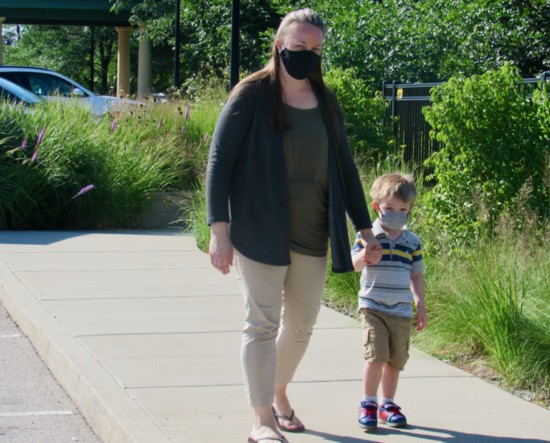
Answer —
358 252
417 289
358 260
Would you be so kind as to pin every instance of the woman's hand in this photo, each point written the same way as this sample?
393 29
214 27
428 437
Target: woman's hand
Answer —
221 249
373 250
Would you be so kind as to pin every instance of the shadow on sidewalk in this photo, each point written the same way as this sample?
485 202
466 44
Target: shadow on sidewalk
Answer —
426 434
41 238
44 238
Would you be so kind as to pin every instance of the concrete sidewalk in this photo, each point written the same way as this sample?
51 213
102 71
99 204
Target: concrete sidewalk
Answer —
144 335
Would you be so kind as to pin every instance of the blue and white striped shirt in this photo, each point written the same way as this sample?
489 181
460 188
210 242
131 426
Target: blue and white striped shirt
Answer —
386 286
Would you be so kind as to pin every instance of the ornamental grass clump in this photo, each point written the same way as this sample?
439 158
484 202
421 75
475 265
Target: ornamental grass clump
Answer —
195 217
62 168
491 306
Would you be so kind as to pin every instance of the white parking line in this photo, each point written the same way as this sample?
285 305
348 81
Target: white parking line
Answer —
34 413
10 335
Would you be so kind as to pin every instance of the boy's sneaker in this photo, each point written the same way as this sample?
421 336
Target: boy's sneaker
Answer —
367 415
390 414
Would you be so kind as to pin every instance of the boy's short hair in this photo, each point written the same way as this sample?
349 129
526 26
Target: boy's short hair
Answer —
395 184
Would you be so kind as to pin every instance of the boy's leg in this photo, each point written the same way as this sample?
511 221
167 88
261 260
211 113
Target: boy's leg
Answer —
389 412
390 379
368 408
376 343
399 337
372 374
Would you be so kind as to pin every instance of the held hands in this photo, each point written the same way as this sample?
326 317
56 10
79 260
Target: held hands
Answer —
372 252
221 249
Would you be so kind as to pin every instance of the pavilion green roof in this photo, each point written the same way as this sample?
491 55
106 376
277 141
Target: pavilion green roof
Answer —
63 12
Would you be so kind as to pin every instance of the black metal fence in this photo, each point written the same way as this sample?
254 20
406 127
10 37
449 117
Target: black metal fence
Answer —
410 128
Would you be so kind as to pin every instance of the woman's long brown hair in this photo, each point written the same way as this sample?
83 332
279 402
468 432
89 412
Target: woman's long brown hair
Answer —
271 73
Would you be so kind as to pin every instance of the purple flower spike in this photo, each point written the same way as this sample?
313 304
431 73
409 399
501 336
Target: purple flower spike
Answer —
159 124
187 110
40 137
84 190
34 155
24 144
113 126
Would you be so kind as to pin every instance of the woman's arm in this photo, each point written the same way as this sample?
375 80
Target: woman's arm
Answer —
227 142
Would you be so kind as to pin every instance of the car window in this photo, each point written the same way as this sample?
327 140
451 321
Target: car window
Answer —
44 84
19 78
7 95
24 98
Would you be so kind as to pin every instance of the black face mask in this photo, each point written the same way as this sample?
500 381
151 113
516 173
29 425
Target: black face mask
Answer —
299 64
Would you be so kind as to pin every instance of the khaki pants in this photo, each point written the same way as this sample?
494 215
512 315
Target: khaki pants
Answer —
289 296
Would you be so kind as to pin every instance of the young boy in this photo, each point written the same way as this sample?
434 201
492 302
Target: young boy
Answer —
387 292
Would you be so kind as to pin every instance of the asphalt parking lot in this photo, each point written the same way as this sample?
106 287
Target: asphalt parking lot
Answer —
33 407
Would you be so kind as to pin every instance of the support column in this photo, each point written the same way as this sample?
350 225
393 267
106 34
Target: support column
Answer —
2 20
144 65
123 62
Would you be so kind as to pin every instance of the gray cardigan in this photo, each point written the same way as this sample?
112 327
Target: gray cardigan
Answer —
246 183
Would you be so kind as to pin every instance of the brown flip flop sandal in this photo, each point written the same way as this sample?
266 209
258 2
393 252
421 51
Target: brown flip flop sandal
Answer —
280 417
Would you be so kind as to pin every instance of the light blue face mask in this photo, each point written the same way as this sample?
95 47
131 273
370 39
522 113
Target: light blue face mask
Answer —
394 220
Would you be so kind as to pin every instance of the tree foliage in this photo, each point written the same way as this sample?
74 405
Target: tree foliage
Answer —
495 154
66 49
364 110
403 40
433 40
205 33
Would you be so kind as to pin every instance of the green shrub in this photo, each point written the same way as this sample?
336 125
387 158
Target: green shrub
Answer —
364 110
494 155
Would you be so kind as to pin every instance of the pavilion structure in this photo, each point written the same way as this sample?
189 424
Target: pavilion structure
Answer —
85 13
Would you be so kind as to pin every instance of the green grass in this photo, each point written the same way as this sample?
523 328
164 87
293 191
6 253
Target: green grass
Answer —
493 304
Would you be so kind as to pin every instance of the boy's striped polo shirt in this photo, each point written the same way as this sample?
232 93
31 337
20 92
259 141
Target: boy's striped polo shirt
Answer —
386 286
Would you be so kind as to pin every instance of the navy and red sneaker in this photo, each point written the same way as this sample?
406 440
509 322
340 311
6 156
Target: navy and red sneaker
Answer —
390 414
367 415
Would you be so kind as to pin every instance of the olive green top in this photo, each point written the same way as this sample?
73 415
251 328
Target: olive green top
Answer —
306 157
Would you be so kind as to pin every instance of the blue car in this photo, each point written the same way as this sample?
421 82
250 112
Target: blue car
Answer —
18 95
54 86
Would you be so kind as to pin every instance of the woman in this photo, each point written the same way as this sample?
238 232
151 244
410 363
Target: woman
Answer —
280 180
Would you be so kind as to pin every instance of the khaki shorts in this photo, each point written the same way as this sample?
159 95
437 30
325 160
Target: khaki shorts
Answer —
386 338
